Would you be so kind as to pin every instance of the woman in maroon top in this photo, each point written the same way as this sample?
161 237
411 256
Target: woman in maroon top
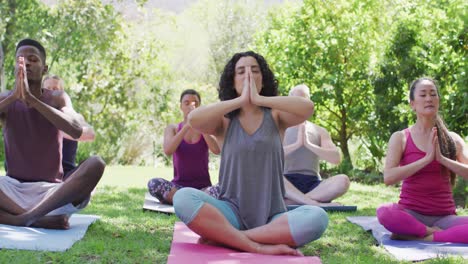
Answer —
189 149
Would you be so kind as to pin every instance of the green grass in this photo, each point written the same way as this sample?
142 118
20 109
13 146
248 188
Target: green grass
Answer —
126 234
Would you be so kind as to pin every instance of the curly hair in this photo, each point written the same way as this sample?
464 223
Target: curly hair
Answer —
446 143
227 91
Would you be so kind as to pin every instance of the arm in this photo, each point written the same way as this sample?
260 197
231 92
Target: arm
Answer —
212 143
292 110
88 132
393 172
459 166
65 119
209 119
172 138
328 150
288 149
6 98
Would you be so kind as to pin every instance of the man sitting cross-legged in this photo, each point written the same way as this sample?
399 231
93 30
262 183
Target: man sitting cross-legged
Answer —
33 192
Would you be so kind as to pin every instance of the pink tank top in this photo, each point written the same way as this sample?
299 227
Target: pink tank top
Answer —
428 191
33 145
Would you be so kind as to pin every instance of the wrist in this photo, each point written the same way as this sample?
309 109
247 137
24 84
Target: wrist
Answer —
257 100
427 159
31 100
443 160
239 102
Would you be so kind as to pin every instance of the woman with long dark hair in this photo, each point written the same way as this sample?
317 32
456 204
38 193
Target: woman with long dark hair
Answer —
426 157
249 124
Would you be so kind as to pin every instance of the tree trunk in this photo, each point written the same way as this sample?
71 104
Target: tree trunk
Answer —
344 139
2 72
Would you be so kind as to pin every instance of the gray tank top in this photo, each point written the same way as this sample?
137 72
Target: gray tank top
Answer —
251 172
302 160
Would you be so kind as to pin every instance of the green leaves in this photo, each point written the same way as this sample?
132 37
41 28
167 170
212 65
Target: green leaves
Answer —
358 58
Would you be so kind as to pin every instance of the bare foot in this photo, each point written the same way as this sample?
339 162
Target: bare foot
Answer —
278 250
431 230
53 222
9 219
206 241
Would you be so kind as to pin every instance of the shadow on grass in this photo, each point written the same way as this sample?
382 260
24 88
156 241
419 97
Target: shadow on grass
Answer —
124 234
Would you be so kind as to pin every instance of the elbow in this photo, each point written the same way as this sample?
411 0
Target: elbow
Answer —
310 109
336 158
388 181
88 134
192 120
167 152
76 132
217 151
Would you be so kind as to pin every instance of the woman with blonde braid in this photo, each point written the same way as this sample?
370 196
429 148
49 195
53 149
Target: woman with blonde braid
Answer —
426 157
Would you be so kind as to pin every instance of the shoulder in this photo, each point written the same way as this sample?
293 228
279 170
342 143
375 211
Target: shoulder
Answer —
58 98
5 94
398 139
316 129
171 128
458 140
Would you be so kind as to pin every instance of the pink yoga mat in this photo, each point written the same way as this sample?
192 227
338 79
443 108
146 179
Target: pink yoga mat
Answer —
185 249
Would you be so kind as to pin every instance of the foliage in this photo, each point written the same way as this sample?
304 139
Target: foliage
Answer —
236 24
333 49
357 57
108 74
424 42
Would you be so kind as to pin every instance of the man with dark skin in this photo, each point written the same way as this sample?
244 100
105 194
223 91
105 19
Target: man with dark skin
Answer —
33 192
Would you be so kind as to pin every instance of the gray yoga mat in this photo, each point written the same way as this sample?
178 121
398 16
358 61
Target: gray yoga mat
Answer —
338 208
152 204
408 250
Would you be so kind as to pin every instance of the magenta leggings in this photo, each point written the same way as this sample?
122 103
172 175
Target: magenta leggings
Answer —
407 222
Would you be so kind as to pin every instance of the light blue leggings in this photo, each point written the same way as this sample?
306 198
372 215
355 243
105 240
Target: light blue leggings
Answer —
306 223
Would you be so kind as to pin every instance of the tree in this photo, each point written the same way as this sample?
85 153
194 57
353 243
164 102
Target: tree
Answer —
108 74
230 27
333 47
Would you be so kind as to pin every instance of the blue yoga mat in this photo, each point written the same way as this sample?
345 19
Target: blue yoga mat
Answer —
31 238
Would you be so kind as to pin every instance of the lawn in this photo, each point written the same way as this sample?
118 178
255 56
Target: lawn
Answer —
127 234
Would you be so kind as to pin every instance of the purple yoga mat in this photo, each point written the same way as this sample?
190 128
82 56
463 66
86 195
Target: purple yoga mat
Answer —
408 250
185 249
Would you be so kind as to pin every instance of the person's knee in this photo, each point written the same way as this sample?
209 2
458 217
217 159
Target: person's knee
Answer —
97 163
384 213
187 202
308 224
344 182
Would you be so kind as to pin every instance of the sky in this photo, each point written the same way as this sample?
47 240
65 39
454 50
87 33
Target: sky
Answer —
129 8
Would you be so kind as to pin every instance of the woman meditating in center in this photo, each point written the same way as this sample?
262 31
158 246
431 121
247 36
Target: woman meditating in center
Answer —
249 124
